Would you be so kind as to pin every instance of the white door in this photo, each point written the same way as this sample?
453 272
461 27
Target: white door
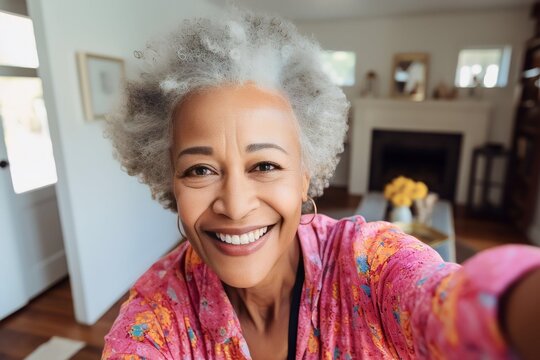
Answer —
12 288
31 245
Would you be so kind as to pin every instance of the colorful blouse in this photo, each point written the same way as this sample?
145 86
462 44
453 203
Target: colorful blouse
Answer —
370 292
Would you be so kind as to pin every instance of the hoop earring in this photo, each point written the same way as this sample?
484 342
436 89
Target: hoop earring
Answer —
315 214
178 226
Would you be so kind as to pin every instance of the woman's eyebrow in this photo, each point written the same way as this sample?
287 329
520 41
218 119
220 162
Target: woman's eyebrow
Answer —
260 146
196 150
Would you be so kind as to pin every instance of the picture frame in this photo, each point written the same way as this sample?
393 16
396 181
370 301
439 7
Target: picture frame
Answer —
102 80
409 76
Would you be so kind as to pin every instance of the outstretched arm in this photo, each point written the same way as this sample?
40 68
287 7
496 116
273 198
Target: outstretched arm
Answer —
520 316
432 309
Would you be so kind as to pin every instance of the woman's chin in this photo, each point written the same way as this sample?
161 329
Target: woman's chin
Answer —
242 279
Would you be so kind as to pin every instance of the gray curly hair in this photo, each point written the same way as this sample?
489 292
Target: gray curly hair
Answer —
204 53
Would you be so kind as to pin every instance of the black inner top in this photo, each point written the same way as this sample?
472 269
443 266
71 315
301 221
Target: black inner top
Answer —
295 310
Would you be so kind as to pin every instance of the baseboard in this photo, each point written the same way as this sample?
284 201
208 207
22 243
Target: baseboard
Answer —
534 235
47 272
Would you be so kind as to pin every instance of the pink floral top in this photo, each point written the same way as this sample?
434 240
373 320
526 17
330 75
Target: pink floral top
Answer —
370 292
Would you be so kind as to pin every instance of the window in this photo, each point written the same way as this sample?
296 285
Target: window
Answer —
18 44
22 110
485 67
340 66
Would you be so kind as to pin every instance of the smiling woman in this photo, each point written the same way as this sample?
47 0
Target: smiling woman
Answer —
240 170
235 127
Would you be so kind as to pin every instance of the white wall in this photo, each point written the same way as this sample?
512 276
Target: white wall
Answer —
112 228
376 40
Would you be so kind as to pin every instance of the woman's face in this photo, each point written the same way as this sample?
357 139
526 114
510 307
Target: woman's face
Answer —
239 181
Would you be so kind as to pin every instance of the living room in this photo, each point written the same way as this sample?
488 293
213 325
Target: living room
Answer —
87 230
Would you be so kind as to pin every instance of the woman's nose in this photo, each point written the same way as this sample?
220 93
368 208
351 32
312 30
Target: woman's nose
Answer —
237 197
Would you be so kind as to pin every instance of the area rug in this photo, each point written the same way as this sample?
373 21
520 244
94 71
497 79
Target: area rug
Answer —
57 348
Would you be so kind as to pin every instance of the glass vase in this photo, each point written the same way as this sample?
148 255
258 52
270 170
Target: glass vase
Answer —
401 214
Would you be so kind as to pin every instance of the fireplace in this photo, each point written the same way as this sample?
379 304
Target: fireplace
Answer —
470 119
429 157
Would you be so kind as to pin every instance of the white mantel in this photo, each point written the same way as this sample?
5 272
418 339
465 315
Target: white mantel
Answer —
468 118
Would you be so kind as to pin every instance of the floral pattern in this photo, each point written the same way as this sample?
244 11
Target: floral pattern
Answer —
370 292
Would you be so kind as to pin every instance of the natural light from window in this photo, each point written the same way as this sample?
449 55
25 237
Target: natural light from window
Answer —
483 67
17 43
26 134
23 117
340 66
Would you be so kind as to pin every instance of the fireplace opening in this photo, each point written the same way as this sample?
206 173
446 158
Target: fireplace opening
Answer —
429 157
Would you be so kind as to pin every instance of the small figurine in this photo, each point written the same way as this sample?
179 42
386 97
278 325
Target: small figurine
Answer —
371 87
444 92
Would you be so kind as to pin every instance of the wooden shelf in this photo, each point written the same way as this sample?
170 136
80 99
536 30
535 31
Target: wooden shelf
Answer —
523 172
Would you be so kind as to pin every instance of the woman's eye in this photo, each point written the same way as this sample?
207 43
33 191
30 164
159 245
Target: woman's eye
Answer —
266 167
198 171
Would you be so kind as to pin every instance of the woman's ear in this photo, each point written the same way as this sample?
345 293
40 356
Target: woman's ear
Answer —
305 186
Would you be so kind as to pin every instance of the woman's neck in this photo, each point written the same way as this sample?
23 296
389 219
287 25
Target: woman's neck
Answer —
268 302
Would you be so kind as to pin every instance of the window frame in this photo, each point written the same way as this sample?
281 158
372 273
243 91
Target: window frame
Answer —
504 65
355 80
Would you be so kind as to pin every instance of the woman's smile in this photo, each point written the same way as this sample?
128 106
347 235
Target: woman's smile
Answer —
240 241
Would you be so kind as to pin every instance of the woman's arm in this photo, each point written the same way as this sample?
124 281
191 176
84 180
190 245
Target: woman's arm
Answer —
430 309
520 315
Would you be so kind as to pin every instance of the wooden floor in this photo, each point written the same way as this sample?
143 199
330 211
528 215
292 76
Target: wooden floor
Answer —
51 314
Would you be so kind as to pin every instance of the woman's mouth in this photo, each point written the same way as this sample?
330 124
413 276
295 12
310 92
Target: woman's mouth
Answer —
242 239
240 244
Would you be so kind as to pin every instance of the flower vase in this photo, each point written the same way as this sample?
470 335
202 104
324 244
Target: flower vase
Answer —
401 214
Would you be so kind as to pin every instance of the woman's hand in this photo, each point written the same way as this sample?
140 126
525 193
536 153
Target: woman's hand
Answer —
521 316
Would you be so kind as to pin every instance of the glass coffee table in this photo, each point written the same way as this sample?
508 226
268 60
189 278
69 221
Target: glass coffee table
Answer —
373 208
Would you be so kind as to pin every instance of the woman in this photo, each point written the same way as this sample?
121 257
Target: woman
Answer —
235 127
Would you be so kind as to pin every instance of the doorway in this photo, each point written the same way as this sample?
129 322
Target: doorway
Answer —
31 237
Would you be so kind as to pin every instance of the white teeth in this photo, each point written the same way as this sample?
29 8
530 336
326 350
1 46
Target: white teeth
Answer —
243 239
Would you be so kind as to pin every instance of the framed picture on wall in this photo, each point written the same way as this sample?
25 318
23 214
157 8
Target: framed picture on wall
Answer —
102 80
409 76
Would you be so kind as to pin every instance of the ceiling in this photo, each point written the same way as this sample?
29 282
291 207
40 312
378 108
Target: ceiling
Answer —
335 9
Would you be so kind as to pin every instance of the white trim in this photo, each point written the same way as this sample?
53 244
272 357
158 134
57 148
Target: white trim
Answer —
47 272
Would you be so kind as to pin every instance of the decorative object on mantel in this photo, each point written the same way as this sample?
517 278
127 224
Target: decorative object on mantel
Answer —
371 85
475 91
102 79
401 193
444 92
409 76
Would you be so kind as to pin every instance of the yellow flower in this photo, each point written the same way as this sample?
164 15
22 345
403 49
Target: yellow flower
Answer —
401 199
389 191
402 191
399 181
420 191
408 187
